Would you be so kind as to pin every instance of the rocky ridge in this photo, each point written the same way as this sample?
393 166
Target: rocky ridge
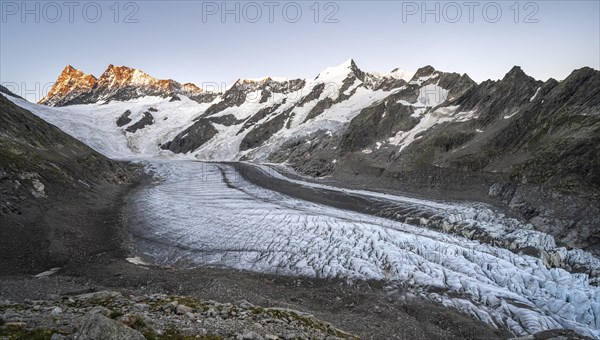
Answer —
118 83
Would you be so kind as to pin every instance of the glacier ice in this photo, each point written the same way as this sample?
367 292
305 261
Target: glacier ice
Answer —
207 214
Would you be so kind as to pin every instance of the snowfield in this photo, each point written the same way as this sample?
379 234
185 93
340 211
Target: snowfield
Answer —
95 125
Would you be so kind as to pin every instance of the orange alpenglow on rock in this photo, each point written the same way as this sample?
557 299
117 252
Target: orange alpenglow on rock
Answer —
70 80
116 83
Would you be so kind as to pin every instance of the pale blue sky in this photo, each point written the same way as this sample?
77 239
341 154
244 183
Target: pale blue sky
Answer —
172 39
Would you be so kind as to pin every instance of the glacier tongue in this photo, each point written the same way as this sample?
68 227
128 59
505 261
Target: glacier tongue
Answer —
206 214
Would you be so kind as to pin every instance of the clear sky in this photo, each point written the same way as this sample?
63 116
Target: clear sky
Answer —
190 42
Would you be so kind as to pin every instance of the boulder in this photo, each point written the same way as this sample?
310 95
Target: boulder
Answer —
99 327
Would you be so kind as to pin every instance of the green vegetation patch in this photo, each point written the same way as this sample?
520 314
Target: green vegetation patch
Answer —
13 332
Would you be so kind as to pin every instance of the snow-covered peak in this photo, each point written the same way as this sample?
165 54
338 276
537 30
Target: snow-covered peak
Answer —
340 72
273 84
348 70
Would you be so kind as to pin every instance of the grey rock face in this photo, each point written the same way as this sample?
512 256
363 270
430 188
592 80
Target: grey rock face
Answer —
192 138
313 155
258 116
226 120
393 115
314 93
146 120
375 123
261 133
495 99
238 93
124 119
328 102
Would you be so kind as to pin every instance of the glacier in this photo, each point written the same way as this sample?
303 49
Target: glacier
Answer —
207 214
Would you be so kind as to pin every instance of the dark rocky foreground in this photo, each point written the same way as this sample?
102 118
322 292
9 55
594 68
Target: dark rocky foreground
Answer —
363 309
112 315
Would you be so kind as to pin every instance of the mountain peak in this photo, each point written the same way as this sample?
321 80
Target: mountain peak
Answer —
70 81
340 72
423 74
399 73
121 72
348 63
116 68
351 64
424 71
516 73
72 72
191 87
119 77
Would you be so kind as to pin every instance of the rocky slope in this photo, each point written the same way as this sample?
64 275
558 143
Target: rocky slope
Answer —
57 194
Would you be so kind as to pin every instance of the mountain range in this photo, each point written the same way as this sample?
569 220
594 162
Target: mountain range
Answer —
527 145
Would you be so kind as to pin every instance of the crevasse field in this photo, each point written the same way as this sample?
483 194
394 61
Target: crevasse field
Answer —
206 214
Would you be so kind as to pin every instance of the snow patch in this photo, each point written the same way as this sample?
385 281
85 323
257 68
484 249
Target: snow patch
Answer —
511 115
536 94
